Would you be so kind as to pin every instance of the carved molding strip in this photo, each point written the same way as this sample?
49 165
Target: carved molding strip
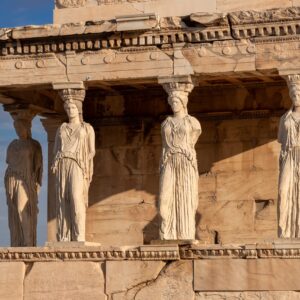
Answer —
110 2
151 252
88 254
291 250
70 3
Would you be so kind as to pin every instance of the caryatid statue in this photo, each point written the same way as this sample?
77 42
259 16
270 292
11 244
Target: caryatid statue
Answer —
289 163
74 151
23 179
178 196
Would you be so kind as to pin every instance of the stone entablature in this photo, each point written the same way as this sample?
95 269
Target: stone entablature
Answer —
234 43
275 23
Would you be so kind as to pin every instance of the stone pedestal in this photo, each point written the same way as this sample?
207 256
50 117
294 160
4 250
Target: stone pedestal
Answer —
176 242
71 244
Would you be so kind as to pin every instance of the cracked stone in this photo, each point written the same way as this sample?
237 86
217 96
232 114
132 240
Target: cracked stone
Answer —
125 275
174 282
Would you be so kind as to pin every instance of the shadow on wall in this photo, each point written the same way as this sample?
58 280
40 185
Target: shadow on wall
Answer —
237 159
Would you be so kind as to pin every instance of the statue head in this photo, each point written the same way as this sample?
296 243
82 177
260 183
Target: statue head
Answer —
73 98
72 109
295 95
294 89
23 128
178 101
178 95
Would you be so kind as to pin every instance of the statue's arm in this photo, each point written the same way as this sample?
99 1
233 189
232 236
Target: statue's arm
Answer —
91 151
91 140
55 150
197 130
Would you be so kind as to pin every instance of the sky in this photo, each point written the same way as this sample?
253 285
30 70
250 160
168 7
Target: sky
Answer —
15 13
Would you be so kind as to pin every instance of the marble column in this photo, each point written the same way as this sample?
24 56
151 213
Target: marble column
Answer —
72 166
23 179
51 125
178 195
289 164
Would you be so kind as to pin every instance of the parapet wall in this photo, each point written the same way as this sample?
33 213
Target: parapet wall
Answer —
67 11
267 271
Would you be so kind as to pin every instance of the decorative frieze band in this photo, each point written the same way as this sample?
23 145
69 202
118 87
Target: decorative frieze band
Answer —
151 252
89 253
281 250
81 3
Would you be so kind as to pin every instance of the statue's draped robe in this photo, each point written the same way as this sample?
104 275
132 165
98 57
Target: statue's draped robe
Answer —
22 178
179 178
289 178
73 167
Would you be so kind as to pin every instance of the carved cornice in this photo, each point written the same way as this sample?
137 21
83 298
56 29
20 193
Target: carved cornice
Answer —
268 16
276 24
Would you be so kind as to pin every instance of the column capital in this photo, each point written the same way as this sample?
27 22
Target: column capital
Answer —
21 111
178 84
292 79
70 90
77 85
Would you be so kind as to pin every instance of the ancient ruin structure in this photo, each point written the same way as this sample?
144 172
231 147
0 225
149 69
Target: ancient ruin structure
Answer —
239 55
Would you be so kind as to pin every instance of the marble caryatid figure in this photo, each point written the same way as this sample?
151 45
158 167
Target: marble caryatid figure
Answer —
73 168
289 163
23 179
178 197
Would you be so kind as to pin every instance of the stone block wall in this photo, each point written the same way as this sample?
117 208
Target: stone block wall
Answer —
237 160
262 272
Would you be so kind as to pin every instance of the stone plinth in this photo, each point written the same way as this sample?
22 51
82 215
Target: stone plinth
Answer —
151 272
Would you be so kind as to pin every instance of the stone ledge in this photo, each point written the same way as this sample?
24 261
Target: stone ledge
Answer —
90 253
272 249
172 252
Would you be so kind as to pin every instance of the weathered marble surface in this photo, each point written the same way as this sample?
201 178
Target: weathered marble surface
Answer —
65 280
74 151
246 275
11 280
125 275
23 179
288 189
178 194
